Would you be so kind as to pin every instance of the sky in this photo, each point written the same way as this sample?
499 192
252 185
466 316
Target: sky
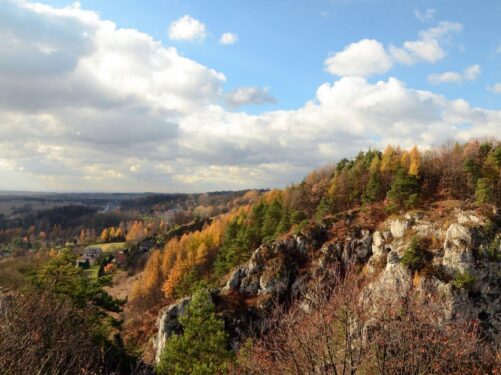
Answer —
192 96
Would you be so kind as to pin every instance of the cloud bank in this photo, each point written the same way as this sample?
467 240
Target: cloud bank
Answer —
85 105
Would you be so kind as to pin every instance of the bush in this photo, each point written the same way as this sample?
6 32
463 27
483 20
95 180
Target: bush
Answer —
463 280
415 256
493 252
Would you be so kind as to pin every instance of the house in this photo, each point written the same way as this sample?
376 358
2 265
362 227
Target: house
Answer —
90 254
146 245
121 259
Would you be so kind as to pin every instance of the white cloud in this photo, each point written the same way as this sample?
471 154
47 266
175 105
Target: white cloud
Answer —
496 88
187 28
472 72
228 38
363 58
426 16
368 56
249 95
429 46
85 105
469 74
447 77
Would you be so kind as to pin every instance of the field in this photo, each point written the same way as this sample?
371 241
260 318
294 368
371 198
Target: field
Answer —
111 247
92 272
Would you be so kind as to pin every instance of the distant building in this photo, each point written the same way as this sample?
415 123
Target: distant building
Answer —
90 254
121 259
146 245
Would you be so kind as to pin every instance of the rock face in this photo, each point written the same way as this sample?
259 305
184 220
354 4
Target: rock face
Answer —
272 268
398 228
168 324
288 267
457 250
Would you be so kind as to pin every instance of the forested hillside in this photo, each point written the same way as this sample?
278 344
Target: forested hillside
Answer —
384 263
385 182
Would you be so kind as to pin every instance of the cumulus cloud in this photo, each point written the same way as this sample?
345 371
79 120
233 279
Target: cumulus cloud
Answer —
369 57
425 16
429 46
116 110
363 58
249 95
228 38
187 28
469 74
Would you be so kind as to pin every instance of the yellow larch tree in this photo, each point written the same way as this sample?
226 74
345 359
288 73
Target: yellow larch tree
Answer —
415 162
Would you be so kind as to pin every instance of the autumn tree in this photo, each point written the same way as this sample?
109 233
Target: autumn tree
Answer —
373 191
390 161
105 235
415 162
83 236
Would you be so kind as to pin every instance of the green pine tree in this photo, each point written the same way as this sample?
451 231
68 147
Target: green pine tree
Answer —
404 190
202 348
271 220
483 191
285 222
372 191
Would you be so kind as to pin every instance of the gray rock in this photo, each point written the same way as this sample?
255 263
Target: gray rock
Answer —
465 217
458 254
398 228
301 245
168 324
234 281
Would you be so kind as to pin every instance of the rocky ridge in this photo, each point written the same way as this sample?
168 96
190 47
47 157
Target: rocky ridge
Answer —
461 243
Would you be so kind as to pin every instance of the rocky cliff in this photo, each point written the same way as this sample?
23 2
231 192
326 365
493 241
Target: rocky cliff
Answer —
454 256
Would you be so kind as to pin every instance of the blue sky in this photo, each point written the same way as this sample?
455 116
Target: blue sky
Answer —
282 44
145 96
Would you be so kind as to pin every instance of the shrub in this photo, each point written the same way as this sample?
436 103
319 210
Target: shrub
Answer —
493 252
415 256
463 280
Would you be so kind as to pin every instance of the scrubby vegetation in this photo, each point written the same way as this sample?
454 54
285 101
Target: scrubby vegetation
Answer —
61 323
339 336
416 255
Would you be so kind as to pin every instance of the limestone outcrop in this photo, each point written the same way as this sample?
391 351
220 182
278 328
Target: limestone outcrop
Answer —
459 268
